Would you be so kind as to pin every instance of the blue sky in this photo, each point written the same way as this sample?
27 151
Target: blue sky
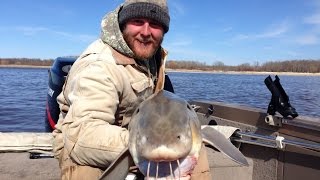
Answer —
229 31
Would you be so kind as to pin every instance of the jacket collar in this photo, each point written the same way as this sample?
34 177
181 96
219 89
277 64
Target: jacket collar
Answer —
122 59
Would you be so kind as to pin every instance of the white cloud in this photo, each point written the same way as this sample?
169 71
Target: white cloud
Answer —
240 37
309 39
293 53
180 43
34 31
30 31
182 48
75 37
178 40
272 31
191 54
313 19
267 48
176 9
227 29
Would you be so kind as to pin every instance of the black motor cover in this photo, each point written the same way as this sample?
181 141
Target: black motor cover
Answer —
57 75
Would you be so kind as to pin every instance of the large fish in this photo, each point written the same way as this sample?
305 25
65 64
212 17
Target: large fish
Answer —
165 140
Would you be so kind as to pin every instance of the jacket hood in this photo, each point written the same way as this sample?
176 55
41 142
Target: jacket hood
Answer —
112 35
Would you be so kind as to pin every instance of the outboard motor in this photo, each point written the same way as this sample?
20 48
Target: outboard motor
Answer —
279 100
57 76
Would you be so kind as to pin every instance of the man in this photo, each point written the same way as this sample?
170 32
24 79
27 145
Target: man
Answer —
122 67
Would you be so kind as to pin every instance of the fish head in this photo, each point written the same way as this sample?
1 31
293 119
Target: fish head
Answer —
165 136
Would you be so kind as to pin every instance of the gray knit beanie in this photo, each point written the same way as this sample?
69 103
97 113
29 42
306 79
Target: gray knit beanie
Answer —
153 9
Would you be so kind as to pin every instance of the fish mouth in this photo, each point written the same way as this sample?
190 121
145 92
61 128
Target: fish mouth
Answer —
176 169
165 153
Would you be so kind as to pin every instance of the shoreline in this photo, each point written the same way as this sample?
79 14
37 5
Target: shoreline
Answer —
24 66
243 72
193 71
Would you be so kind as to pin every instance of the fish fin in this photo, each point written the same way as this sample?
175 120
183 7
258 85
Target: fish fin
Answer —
214 138
119 168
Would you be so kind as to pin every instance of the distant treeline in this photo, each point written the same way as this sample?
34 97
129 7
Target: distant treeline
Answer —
25 62
301 66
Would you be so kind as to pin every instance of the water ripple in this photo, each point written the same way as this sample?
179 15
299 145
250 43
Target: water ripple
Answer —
23 93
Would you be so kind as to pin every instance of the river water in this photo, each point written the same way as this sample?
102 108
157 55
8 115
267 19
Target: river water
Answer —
23 93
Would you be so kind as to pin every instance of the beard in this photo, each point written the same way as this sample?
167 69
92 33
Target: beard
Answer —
143 47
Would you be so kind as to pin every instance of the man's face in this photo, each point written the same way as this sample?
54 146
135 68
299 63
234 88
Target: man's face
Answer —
143 36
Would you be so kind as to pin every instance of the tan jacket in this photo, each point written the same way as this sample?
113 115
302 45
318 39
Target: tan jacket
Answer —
98 97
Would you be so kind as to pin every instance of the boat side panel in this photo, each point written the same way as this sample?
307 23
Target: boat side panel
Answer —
292 163
304 128
300 163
